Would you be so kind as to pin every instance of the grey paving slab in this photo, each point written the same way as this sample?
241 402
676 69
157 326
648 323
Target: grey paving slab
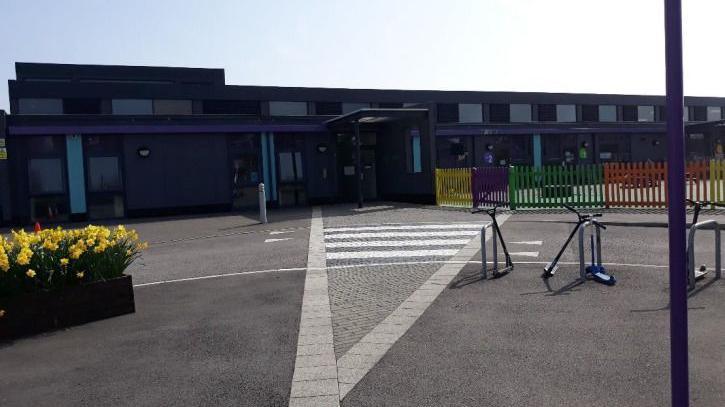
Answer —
362 297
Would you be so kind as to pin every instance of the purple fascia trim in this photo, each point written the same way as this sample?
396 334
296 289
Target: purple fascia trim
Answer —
476 132
165 128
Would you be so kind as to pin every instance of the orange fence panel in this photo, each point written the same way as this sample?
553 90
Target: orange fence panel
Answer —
636 184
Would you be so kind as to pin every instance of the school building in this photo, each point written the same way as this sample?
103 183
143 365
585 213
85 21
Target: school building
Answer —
97 142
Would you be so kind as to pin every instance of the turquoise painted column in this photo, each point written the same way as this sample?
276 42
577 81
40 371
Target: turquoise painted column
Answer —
266 177
76 176
537 150
272 167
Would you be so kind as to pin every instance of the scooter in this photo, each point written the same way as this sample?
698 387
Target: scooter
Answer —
595 269
497 234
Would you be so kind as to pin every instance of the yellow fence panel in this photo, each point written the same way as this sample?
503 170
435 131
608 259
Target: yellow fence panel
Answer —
453 187
717 181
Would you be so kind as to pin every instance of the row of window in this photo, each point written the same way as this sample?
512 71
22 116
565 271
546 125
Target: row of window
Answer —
447 112
523 113
184 107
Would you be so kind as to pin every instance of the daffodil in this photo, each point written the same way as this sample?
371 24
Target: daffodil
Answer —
24 256
63 262
30 273
80 274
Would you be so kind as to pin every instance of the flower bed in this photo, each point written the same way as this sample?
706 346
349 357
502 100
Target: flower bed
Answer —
55 278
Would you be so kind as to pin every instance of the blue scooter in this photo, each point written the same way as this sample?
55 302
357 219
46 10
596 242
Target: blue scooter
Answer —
595 269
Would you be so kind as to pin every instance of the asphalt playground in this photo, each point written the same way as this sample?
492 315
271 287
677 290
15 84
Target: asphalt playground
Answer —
218 302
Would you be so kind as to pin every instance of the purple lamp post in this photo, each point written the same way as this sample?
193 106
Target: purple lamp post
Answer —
676 198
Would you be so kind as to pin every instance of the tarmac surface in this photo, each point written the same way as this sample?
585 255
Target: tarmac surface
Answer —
521 340
218 303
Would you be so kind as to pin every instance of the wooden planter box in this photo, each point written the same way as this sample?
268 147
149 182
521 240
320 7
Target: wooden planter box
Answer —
49 310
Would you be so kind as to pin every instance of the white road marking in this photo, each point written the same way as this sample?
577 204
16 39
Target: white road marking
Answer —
367 235
386 264
279 232
404 227
399 243
277 240
532 242
373 208
390 254
525 254
240 273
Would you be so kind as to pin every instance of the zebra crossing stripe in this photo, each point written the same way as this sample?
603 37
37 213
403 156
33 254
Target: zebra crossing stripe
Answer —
379 254
402 227
368 235
399 243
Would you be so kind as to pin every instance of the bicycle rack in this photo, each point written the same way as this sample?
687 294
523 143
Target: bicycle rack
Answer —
691 275
495 235
597 249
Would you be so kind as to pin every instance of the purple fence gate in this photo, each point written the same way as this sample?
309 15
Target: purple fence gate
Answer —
490 186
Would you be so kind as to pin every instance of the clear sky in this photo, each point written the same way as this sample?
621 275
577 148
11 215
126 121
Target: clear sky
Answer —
601 46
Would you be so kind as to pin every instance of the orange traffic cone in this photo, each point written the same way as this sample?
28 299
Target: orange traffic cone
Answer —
37 227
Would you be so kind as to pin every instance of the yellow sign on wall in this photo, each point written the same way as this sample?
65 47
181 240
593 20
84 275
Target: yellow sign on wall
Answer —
3 153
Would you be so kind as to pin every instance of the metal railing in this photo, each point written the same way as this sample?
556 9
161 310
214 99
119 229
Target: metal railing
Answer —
691 277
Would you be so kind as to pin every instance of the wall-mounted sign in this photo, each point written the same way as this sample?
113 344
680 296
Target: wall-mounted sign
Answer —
2 142
3 153
605 155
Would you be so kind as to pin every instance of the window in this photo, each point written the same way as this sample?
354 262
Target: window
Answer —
520 113
328 108
590 113
390 105
40 106
499 113
172 107
248 107
698 113
645 113
103 174
470 113
132 106
81 106
351 107
45 176
566 113
661 114
454 152
288 108
290 166
414 155
629 113
447 113
714 113
244 151
607 113
547 113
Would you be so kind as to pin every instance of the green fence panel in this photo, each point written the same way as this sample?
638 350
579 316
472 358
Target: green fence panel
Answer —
552 186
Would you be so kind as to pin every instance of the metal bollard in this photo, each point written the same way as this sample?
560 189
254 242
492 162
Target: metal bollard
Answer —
262 204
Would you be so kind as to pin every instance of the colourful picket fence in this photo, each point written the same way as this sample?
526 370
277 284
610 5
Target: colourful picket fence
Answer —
616 185
552 186
453 187
490 186
635 185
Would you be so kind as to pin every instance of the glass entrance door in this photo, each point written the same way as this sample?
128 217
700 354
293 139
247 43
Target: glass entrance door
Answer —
290 167
104 182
